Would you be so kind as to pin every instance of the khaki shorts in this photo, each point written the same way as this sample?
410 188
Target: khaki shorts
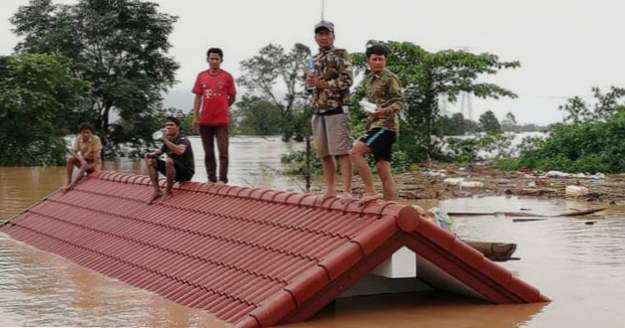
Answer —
332 134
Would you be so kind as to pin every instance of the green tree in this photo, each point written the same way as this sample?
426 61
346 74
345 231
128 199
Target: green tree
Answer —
593 140
606 105
451 126
467 150
119 46
471 127
272 72
36 93
489 123
509 123
427 76
257 116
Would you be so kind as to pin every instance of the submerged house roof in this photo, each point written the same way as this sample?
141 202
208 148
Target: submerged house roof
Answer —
252 257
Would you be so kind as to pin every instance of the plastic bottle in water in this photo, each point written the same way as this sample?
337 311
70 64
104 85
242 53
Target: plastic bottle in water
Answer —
309 67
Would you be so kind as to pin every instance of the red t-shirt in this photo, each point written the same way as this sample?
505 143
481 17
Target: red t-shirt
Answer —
215 90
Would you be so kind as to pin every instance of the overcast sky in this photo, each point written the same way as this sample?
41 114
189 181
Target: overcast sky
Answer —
565 46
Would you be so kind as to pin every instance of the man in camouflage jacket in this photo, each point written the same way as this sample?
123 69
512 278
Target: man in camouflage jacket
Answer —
329 84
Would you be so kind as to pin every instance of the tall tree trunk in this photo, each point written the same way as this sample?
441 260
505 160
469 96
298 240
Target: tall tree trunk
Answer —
105 119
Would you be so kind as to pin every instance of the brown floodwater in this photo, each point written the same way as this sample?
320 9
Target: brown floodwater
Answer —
580 266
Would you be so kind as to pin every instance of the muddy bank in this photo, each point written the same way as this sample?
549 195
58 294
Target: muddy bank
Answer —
444 181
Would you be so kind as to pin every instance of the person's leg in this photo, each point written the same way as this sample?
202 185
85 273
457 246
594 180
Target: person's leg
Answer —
82 170
338 132
346 174
183 174
329 170
222 145
384 169
153 173
170 173
208 143
358 152
71 162
327 160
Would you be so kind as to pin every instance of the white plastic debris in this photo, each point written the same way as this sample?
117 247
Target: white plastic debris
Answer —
598 176
434 174
576 191
471 184
453 181
556 174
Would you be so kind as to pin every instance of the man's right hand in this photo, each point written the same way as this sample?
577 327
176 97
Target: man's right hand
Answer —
311 80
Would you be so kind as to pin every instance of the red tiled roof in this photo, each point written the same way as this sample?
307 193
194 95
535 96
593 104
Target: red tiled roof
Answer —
252 257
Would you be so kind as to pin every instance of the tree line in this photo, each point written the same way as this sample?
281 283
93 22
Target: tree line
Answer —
106 62
86 62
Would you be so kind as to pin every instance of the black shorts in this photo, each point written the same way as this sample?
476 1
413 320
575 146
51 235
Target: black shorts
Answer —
380 141
182 172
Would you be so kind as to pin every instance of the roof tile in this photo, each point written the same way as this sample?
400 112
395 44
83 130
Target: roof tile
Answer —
251 256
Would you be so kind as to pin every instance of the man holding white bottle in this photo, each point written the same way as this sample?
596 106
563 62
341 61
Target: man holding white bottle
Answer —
329 84
179 164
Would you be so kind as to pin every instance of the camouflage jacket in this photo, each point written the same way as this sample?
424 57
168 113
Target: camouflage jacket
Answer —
383 89
334 67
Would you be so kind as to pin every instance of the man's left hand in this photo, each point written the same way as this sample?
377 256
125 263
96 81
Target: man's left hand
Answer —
379 112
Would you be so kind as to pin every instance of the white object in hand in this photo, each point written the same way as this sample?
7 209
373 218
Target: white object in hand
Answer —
368 106
309 67
157 135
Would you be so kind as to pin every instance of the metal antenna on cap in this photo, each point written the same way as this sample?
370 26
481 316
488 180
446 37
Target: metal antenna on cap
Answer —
323 7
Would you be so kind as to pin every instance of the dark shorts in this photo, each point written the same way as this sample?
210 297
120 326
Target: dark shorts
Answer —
182 172
380 141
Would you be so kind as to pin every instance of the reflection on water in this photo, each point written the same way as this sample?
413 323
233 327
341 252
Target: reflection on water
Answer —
420 310
40 289
580 266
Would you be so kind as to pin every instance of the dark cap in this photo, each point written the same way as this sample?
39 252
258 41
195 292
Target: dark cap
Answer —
324 24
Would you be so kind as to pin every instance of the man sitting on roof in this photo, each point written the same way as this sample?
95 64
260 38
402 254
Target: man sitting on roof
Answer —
85 154
178 166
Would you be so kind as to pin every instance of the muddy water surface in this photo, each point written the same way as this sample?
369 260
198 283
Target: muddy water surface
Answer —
581 266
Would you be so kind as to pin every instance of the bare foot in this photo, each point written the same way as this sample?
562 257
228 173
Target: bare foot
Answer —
166 196
220 183
66 188
155 196
322 198
346 196
368 198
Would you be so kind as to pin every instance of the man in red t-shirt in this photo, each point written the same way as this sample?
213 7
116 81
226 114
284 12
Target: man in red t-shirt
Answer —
214 92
